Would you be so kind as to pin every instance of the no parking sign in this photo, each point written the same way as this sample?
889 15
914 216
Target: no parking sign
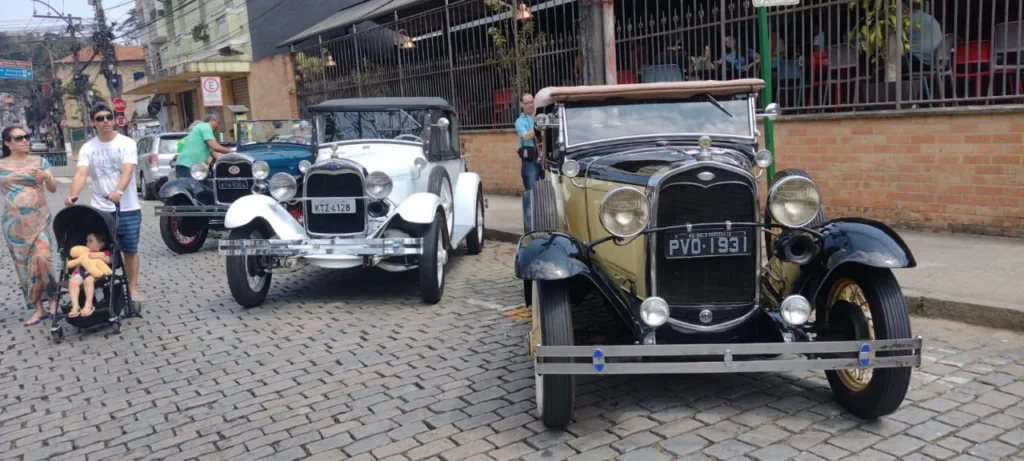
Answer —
211 91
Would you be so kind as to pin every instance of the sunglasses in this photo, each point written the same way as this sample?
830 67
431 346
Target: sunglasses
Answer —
18 138
101 118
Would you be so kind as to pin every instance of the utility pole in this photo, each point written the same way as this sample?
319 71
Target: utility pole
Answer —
103 44
76 75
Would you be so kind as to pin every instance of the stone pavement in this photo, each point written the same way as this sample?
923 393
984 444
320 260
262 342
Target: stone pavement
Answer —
352 366
965 278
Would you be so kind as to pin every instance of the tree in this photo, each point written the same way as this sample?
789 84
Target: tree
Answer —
515 59
129 29
875 34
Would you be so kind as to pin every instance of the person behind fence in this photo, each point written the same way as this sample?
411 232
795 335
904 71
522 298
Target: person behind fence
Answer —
925 38
199 145
530 168
111 158
97 250
26 220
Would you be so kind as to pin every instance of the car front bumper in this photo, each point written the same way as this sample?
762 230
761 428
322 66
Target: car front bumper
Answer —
192 211
722 358
322 247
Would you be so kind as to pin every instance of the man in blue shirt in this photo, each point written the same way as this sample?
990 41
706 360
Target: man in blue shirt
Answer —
530 170
925 38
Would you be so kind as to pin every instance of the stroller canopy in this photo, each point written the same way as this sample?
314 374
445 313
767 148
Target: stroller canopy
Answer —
74 223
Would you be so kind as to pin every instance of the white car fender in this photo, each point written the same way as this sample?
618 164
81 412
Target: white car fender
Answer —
251 207
419 208
467 186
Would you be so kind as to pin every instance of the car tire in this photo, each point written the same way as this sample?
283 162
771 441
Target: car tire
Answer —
555 394
433 260
178 241
475 239
818 221
239 269
440 184
543 216
883 392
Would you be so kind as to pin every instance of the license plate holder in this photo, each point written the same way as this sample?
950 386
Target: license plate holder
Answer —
333 205
708 243
233 184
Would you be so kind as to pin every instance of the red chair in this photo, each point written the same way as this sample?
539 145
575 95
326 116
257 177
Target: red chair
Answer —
626 77
819 66
502 102
974 60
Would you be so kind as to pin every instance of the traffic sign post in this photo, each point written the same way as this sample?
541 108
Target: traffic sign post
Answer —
211 88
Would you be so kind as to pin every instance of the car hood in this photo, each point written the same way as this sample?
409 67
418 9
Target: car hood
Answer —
282 158
397 159
637 166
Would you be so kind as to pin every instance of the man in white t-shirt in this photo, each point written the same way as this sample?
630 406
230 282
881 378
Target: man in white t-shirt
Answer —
110 159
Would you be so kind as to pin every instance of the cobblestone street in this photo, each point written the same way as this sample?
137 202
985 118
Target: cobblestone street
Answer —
353 366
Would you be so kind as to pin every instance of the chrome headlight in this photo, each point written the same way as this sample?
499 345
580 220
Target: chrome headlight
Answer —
624 212
260 169
794 201
571 168
304 166
378 184
283 187
199 171
763 158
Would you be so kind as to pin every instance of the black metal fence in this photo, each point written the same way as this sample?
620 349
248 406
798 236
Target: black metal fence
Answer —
826 55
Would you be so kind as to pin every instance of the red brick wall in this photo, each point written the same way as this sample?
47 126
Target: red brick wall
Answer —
272 89
954 172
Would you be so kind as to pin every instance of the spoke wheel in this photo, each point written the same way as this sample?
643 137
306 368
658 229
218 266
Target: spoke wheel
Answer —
248 279
432 261
182 239
866 304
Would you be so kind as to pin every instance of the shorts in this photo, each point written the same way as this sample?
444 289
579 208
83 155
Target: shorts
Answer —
129 225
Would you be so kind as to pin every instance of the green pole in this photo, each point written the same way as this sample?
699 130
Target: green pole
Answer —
766 75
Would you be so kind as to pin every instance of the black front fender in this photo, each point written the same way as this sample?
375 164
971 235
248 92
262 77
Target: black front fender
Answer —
550 256
177 187
857 241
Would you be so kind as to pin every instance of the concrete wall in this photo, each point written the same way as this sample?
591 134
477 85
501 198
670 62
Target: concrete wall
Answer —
272 89
960 172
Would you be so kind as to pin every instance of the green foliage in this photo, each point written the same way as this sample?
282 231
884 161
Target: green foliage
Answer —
201 32
308 68
877 22
515 59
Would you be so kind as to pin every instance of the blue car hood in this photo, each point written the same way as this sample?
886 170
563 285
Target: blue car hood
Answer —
282 158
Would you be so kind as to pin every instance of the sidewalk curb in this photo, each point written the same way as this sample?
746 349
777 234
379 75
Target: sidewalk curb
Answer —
920 305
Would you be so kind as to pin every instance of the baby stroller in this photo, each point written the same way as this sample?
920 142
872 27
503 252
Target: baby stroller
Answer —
112 301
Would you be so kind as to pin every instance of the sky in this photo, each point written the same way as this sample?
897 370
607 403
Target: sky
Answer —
17 14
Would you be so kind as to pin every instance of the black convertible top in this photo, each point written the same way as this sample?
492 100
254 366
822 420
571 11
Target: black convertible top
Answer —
357 104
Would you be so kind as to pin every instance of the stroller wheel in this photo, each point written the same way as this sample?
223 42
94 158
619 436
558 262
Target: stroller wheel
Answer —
116 326
57 334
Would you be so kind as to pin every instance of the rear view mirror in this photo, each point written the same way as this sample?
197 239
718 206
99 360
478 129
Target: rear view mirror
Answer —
771 112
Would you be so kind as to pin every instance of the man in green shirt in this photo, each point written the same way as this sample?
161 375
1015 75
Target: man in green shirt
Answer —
199 145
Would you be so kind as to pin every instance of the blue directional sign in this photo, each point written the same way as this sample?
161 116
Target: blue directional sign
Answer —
15 70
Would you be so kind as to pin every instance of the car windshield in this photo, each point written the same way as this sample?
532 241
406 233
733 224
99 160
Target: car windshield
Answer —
379 124
586 124
169 145
275 131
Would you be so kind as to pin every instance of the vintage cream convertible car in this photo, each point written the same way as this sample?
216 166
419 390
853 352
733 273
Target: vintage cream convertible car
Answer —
652 201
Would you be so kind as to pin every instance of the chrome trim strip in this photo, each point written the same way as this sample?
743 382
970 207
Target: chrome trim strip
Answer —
653 192
190 211
321 247
678 350
734 366
350 168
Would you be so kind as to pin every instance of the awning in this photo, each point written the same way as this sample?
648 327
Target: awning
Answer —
368 9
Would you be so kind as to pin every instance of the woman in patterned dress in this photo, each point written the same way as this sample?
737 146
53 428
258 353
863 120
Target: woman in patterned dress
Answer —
26 220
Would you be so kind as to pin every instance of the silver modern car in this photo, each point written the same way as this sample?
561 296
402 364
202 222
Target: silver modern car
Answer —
155 154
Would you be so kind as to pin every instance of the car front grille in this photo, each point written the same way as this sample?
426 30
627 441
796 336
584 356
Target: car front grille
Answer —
228 185
334 184
711 280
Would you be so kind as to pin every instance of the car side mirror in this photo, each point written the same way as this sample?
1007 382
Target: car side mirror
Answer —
545 121
770 113
442 123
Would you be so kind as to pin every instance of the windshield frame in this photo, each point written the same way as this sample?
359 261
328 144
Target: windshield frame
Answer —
751 136
424 125
239 144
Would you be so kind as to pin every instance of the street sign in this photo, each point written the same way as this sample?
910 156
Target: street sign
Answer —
15 70
211 91
121 121
120 105
762 3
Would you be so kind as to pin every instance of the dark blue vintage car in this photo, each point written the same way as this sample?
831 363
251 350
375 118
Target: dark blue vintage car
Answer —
194 206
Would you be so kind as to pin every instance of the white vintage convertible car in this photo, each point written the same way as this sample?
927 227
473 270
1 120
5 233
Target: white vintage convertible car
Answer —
387 188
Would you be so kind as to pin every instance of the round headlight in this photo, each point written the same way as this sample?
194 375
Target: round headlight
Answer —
654 311
763 158
282 187
260 169
571 168
794 200
378 184
198 171
795 310
624 212
304 166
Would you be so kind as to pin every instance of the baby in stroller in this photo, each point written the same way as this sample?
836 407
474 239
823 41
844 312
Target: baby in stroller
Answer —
97 250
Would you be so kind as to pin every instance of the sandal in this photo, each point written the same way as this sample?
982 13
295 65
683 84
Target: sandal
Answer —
74 312
90 309
38 319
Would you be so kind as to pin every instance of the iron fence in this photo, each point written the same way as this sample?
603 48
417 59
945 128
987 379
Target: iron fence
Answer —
826 55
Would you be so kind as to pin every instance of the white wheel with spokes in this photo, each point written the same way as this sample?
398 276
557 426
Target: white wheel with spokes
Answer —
432 260
475 239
